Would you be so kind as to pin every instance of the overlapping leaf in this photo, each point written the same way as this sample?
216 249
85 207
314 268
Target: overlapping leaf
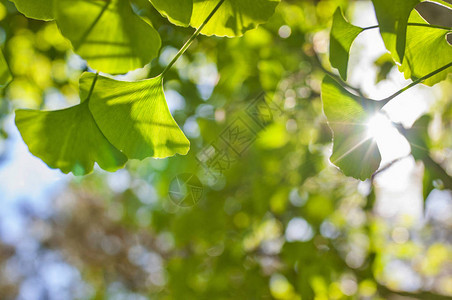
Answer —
135 118
68 139
426 51
177 11
354 152
41 10
419 140
233 18
108 34
393 17
341 38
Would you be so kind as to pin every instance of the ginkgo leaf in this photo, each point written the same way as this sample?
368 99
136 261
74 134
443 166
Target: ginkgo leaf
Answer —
419 140
341 38
393 17
178 12
35 9
135 118
5 73
234 17
68 139
354 151
107 34
426 51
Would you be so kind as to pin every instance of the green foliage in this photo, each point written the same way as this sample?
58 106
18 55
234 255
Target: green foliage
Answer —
354 152
69 139
423 54
384 64
341 38
234 17
5 73
132 116
41 10
177 11
393 17
279 222
135 118
108 34
426 51
420 143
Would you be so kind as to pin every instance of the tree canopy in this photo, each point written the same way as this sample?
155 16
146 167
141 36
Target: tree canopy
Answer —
229 149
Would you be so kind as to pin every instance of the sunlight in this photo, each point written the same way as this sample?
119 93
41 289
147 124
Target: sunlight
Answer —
391 143
379 126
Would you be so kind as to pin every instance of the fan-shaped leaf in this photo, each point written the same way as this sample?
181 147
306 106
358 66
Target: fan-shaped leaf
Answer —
341 38
393 17
41 10
108 34
135 118
68 139
426 51
177 11
354 152
234 17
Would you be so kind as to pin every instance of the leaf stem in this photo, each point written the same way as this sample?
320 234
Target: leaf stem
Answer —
414 24
92 86
384 101
191 39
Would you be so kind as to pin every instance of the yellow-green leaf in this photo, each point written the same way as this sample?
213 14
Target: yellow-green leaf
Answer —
393 17
107 34
36 9
354 151
234 17
68 139
426 51
341 38
177 11
135 118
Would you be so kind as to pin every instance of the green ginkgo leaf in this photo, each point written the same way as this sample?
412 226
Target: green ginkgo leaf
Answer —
426 51
107 34
177 11
5 73
393 17
234 17
354 151
420 142
341 38
35 9
135 118
68 139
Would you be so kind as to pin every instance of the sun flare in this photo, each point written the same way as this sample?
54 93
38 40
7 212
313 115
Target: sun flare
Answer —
379 126
391 143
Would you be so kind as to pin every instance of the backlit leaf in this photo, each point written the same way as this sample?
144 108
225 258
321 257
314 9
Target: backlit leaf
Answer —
354 151
35 9
341 38
426 51
135 118
234 17
68 139
419 140
177 11
393 17
108 34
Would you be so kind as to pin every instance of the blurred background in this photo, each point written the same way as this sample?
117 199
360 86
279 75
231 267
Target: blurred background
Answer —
272 220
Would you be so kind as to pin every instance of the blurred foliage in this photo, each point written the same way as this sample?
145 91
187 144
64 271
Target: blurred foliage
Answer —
276 222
